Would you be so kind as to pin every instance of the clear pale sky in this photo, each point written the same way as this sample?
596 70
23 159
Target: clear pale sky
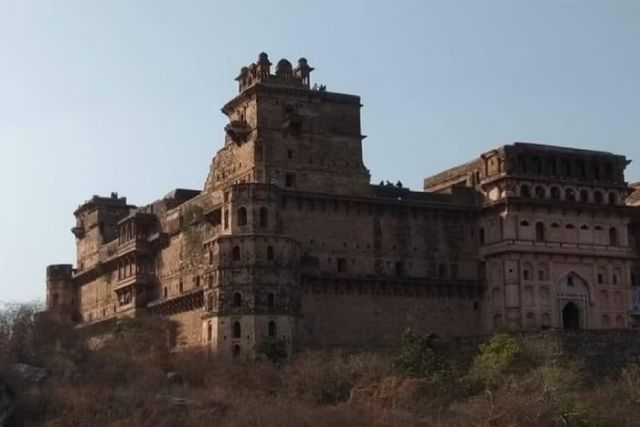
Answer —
125 95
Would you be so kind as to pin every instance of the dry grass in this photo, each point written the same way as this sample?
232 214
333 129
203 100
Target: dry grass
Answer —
125 383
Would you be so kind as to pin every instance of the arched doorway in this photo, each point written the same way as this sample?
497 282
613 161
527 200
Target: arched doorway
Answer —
571 316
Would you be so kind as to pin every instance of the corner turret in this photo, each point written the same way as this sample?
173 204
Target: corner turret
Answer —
61 293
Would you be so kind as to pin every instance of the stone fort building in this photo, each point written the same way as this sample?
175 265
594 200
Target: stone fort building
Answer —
288 240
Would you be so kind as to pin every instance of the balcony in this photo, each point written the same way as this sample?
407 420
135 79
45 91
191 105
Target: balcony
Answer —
140 245
135 279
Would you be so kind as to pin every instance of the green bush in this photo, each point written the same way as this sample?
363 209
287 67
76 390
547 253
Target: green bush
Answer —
499 357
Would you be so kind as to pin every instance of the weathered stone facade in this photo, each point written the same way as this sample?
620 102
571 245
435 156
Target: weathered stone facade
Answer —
289 241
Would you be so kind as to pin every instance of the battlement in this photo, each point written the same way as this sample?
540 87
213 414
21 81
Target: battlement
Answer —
59 271
285 74
96 201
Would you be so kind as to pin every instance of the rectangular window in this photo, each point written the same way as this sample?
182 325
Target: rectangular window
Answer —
342 265
399 268
290 180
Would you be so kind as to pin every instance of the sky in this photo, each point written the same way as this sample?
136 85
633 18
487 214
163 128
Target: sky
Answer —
125 95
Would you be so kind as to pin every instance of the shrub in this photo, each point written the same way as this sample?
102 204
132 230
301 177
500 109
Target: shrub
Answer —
499 357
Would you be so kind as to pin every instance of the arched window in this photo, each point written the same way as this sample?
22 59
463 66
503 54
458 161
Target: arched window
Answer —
540 192
237 299
606 323
272 329
264 217
524 223
584 227
269 253
56 300
555 225
613 236
555 193
271 300
242 216
235 253
481 235
569 194
540 231
597 196
237 330
569 227
613 199
525 191
226 219
236 351
584 196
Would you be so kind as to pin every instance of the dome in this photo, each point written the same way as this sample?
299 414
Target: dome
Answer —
263 57
284 68
284 65
302 62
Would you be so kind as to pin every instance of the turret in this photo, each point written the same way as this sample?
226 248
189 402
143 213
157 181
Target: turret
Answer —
62 299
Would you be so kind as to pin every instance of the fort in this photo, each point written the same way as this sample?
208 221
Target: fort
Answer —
289 241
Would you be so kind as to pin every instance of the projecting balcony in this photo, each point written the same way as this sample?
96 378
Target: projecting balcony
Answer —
78 232
135 279
140 245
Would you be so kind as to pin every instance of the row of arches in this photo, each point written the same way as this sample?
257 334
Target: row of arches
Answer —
569 194
263 217
565 167
605 302
236 329
540 234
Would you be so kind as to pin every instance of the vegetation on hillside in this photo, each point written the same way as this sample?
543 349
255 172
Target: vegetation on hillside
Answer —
133 380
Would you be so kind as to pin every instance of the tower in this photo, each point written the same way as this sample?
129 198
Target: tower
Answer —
285 133
282 136
62 298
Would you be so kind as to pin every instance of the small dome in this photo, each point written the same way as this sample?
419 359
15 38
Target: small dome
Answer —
302 62
284 68
284 65
263 57
244 70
